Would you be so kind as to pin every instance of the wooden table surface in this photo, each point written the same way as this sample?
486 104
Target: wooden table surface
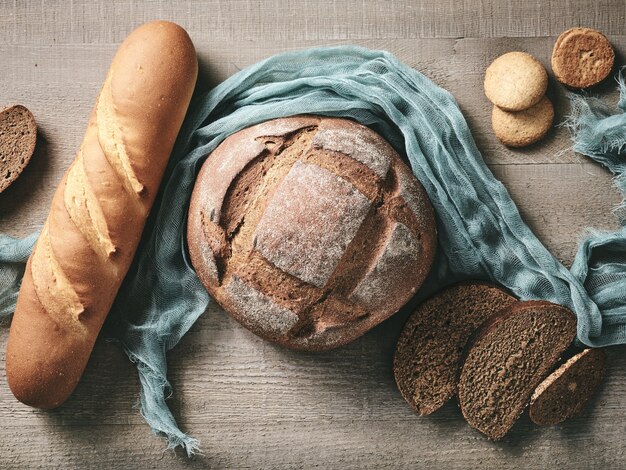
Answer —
250 403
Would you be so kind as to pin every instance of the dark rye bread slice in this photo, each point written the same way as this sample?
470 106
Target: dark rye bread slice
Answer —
565 392
18 135
430 348
309 230
510 355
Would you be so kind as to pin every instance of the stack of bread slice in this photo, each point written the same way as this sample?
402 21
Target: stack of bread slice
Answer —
496 354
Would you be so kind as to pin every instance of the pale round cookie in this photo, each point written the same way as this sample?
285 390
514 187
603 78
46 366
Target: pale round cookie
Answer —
522 128
515 81
582 57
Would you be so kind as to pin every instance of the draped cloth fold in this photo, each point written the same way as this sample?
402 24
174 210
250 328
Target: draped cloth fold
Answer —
481 234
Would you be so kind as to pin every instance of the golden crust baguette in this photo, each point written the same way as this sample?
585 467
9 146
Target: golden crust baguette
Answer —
98 213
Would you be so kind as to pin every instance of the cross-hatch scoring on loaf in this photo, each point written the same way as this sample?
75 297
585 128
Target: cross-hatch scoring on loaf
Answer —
313 223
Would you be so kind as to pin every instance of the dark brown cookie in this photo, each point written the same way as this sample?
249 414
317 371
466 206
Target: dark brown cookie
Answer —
582 57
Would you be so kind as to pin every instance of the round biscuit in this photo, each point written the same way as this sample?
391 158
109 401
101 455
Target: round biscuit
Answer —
515 81
522 128
582 57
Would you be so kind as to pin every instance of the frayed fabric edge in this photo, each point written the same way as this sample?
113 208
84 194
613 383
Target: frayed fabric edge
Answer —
597 131
161 425
585 115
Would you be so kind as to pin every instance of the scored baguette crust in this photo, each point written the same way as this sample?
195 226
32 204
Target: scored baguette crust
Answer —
98 213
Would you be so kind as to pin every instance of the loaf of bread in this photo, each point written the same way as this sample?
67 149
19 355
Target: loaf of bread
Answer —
309 230
98 213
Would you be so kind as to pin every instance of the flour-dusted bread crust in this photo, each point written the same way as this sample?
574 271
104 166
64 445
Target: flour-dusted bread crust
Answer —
566 391
98 213
309 230
430 348
18 136
509 356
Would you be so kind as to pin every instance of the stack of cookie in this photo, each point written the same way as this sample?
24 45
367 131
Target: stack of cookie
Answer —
516 84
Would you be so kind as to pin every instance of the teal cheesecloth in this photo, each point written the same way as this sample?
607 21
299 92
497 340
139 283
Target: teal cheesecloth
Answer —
481 234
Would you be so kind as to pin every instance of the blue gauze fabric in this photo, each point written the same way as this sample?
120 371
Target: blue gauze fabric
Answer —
481 233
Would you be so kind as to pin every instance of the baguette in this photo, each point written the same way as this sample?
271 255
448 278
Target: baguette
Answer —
98 214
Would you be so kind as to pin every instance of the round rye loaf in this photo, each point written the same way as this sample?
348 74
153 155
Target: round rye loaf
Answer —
309 230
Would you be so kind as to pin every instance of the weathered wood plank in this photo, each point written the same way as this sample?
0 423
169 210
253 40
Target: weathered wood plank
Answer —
45 80
82 21
251 403
256 405
324 444
559 202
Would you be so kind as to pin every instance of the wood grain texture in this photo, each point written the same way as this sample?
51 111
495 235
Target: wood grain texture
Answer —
82 21
254 405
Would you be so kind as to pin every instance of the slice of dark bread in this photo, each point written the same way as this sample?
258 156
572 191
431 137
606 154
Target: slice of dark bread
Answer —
18 134
430 347
509 356
565 392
